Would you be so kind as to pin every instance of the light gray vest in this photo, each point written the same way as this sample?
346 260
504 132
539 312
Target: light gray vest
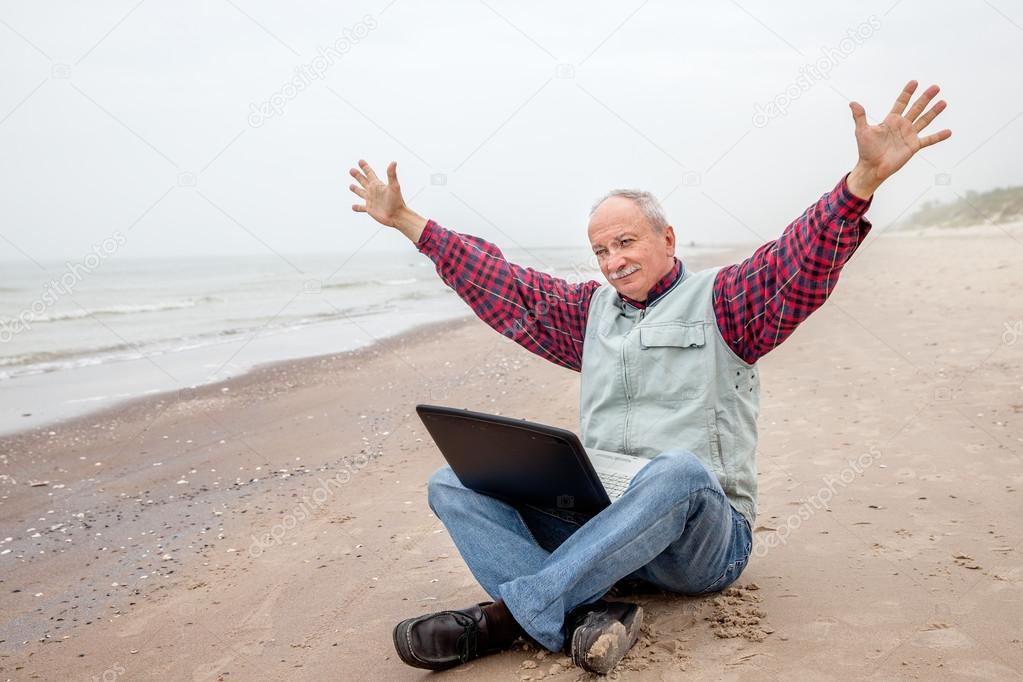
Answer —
664 379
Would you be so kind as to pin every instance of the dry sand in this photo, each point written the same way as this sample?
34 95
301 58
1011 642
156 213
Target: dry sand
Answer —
888 543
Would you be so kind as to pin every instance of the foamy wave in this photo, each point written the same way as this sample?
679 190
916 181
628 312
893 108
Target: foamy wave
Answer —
343 285
49 361
371 282
124 309
58 359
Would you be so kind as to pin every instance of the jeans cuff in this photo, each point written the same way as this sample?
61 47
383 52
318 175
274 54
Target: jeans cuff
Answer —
507 594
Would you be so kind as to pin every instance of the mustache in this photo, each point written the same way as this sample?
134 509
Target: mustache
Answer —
624 271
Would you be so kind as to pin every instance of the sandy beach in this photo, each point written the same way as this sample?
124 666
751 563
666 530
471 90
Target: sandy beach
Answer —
275 526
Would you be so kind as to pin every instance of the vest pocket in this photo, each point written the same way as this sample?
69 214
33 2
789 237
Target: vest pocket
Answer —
673 366
676 335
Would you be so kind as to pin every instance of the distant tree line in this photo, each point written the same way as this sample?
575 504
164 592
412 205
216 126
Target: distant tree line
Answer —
998 206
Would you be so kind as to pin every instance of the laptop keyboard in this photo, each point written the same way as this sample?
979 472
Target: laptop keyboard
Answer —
614 483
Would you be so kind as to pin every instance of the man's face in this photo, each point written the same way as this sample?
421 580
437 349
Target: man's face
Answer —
632 255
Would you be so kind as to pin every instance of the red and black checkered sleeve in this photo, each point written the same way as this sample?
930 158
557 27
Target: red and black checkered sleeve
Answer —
760 301
544 314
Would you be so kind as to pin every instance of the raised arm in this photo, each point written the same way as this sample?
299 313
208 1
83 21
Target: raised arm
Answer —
544 314
760 301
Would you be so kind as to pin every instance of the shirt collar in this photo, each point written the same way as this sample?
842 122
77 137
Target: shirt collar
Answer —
660 288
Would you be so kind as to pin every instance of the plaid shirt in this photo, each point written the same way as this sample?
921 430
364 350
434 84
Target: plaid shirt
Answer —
758 303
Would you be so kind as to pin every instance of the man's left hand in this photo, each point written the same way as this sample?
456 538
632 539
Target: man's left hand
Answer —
886 147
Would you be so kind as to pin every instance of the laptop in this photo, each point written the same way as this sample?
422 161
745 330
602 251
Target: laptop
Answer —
528 463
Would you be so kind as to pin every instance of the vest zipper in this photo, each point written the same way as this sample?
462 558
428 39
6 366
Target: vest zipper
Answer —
628 394
625 377
625 369
628 402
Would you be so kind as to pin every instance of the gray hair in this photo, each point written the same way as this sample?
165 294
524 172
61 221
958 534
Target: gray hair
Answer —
646 202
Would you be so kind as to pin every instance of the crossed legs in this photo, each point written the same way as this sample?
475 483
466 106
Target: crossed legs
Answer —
673 528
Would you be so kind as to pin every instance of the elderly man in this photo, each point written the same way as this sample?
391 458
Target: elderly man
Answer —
668 372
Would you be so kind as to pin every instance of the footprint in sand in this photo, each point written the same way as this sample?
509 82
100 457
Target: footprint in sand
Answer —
738 613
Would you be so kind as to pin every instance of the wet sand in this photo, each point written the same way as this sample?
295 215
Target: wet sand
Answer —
275 526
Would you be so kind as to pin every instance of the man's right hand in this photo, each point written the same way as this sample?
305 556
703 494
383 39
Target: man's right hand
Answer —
384 202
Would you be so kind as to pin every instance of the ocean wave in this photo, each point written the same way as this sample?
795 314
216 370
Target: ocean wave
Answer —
417 295
56 359
44 362
371 282
127 309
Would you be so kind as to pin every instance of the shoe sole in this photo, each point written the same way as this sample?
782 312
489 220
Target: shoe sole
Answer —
610 647
399 635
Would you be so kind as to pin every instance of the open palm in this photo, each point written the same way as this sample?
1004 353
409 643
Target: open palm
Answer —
384 202
886 147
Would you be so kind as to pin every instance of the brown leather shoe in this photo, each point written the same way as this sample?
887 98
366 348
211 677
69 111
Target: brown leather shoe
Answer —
448 638
600 634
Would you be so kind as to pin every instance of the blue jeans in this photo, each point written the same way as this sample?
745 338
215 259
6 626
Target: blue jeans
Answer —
673 528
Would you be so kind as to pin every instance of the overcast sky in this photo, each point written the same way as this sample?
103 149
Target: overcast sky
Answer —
507 119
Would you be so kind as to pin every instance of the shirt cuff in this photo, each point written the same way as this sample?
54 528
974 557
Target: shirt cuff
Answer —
428 241
845 203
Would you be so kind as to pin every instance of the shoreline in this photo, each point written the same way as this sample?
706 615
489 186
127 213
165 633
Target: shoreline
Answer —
138 404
